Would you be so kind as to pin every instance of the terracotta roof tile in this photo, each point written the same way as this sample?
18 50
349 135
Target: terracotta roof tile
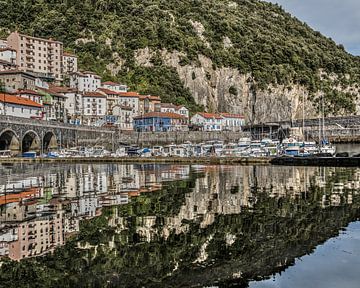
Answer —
107 91
94 94
28 92
160 115
152 98
210 115
129 94
12 99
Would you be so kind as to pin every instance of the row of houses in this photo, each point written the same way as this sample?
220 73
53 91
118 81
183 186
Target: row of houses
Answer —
39 80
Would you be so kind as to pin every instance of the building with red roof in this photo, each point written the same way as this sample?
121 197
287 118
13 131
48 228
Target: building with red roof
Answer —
114 86
160 122
218 122
13 105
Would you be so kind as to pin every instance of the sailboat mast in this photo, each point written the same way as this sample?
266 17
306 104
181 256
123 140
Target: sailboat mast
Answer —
323 116
303 117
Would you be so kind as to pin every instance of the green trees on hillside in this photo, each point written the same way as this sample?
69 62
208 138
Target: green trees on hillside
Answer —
265 41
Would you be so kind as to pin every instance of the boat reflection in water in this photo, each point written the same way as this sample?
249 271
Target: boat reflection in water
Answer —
166 225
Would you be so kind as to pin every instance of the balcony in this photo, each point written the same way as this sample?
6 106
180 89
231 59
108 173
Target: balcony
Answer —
30 45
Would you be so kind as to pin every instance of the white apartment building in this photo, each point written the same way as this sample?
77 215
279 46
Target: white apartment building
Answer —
38 55
70 63
72 104
207 121
94 106
8 54
17 106
127 109
3 43
232 122
85 81
114 86
172 108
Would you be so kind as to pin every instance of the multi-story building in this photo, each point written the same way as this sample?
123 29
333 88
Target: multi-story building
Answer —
70 63
72 104
9 55
160 122
207 121
147 103
127 108
172 108
31 95
94 106
54 104
232 122
3 43
114 86
17 106
38 55
85 81
6 65
13 80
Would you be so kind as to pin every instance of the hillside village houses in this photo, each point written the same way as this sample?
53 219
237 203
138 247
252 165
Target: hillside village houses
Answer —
42 81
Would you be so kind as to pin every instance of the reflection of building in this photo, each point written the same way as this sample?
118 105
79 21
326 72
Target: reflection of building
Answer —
36 237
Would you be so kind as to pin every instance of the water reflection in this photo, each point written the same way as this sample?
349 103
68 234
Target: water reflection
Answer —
37 213
178 225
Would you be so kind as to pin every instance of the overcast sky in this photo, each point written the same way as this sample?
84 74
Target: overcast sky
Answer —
338 19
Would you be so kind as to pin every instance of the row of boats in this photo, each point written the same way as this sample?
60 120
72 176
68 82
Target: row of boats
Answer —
245 147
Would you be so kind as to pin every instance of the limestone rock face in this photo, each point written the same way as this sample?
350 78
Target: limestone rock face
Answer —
227 90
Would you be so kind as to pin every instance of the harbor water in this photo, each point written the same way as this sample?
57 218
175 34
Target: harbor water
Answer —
174 225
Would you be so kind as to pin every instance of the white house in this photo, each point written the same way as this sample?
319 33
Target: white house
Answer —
208 121
127 108
85 81
172 108
94 106
8 54
31 95
114 86
70 63
17 106
72 105
232 122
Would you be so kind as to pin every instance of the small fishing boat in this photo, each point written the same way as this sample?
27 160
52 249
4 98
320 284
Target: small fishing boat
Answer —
29 154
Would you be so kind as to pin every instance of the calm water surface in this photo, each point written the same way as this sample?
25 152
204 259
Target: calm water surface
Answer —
152 225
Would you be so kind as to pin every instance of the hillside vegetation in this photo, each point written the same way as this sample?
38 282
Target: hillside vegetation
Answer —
250 35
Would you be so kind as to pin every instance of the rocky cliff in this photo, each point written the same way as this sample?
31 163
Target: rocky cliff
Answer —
241 56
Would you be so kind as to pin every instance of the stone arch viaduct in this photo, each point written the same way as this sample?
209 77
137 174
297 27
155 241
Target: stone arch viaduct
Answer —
21 135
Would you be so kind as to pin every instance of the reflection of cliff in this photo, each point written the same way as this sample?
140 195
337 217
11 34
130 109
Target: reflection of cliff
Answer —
222 225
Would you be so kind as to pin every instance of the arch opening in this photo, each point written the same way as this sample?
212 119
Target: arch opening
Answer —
49 142
31 142
9 141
